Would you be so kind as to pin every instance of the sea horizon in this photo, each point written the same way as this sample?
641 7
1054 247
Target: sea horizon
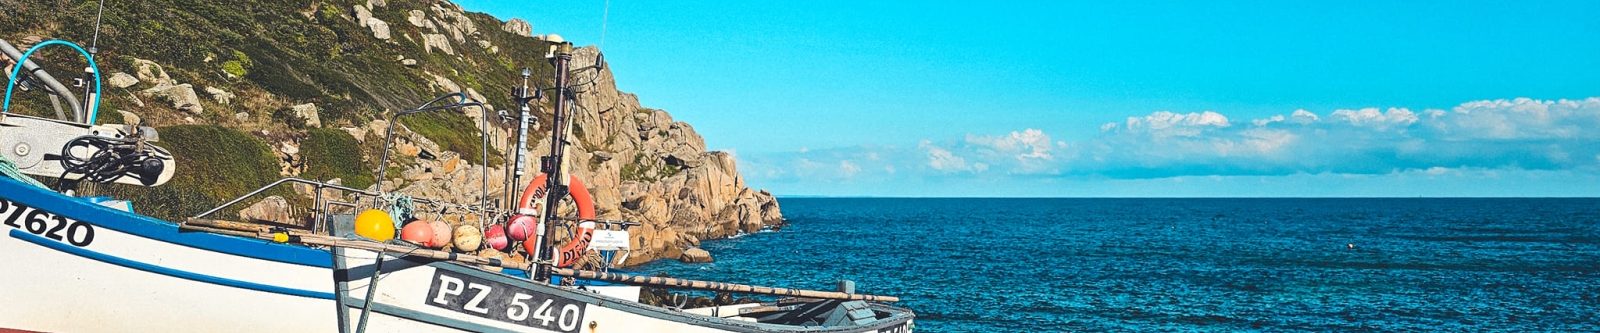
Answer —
803 196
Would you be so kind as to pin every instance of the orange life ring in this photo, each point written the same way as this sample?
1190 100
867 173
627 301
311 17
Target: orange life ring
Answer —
569 254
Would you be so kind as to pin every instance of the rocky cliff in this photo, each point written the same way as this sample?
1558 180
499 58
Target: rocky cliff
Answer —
310 85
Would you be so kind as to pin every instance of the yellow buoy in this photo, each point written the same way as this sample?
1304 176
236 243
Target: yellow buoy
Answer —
375 224
468 238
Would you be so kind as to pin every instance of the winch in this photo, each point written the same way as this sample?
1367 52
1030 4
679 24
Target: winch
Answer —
76 152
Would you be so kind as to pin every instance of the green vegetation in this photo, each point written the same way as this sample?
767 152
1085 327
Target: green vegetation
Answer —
639 169
287 117
239 66
215 164
453 132
331 153
272 54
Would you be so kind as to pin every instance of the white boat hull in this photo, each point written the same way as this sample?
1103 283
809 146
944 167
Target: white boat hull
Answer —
86 268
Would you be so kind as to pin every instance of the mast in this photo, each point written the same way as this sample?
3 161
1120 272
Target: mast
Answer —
553 166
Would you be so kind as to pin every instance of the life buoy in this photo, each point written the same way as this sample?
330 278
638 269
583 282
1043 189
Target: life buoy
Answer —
569 254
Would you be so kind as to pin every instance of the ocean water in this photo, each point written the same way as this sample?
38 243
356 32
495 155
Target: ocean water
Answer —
1047 265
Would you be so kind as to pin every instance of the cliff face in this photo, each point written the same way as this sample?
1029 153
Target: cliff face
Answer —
640 165
312 82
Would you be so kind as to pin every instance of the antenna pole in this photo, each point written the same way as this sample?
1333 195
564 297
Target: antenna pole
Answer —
552 166
523 96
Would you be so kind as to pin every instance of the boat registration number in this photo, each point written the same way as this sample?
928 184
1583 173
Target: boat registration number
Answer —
503 302
46 224
900 328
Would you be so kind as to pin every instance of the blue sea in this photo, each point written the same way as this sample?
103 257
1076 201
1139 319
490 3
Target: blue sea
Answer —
1049 265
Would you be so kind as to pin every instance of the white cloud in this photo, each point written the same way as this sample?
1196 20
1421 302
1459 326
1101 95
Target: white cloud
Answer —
1165 124
942 159
848 168
1517 134
1303 117
1524 118
1370 117
1022 145
1269 120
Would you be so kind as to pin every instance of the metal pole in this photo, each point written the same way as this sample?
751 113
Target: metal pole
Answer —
372 290
44 77
522 131
555 180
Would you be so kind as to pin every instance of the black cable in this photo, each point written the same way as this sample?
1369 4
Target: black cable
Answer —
112 159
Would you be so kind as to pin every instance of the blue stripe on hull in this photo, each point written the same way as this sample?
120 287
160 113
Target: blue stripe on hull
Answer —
147 227
110 259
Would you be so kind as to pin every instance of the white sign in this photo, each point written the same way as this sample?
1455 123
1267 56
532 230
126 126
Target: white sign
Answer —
609 240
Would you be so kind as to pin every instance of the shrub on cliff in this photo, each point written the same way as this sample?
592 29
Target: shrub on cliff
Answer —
215 164
330 154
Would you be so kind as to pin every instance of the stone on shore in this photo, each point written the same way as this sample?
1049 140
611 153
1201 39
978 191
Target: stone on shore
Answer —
695 255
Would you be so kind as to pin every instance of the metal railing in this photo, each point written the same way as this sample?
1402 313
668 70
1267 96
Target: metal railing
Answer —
321 202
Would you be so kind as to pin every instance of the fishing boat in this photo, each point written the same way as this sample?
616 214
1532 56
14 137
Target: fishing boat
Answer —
85 264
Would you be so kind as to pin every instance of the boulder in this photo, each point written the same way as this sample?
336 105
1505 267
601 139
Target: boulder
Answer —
362 14
122 80
518 27
181 96
273 208
376 3
416 18
309 113
380 29
437 41
220 96
408 62
289 148
695 255
150 71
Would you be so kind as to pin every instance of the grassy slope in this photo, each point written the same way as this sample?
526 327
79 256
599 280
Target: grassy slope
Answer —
290 52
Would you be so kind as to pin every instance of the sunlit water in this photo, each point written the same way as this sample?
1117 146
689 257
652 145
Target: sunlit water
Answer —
1013 265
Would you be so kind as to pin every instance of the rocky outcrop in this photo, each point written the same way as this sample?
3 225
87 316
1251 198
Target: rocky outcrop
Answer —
641 165
518 27
182 97
695 255
273 209
638 163
380 29
220 96
416 17
437 42
309 113
122 80
150 71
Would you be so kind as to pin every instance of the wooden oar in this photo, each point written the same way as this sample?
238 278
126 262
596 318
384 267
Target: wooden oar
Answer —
718 286
295 236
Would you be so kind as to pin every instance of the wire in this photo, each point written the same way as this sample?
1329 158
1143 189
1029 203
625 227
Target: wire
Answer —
604 16
93 43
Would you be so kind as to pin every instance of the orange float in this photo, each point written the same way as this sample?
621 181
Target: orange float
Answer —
417 232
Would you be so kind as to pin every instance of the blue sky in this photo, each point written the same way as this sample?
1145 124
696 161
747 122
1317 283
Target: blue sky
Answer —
1190 98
